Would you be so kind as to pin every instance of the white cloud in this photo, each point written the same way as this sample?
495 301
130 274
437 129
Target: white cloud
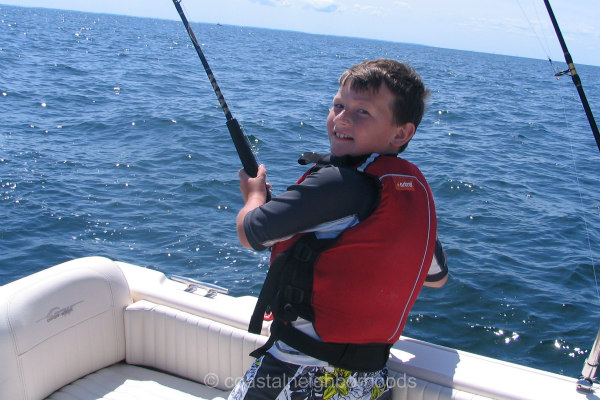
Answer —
367 9
403 4
323 5
273 3
315 5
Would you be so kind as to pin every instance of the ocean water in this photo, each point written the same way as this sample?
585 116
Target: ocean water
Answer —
112 143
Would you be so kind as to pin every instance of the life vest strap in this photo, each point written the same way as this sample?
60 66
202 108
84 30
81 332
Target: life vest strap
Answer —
363 357
288 301
267 292
279 292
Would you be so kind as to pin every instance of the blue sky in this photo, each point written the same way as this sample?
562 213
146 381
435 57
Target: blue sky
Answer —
513 27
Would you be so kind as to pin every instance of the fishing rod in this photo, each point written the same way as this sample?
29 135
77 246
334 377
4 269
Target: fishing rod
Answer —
585 383
574 75
235 130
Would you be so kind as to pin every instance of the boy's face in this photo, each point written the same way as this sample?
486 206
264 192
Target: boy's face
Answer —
362 123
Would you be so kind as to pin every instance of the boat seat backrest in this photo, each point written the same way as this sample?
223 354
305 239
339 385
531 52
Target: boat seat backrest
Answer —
188 345
60 324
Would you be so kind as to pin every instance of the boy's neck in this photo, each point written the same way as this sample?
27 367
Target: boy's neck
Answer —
350 160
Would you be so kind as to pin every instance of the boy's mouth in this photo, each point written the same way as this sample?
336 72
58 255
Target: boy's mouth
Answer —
342 136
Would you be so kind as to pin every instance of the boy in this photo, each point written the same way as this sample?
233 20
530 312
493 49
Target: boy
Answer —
352 244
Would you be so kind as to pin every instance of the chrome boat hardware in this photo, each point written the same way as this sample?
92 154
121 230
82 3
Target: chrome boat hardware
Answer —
193 284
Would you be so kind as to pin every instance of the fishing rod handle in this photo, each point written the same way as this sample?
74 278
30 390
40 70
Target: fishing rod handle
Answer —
244 151
243 148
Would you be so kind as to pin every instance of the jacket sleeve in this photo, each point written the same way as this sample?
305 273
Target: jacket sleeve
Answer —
439 264
328 196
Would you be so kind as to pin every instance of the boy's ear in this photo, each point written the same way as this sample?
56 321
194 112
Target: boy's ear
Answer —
403 134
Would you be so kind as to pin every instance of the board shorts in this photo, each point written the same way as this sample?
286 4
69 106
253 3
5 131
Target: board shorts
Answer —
269 378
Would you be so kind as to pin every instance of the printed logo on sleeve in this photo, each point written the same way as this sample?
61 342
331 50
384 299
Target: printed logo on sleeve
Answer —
403 183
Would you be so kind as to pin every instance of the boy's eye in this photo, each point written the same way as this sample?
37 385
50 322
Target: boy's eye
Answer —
362 111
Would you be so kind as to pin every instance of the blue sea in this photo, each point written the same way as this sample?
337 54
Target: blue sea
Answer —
112 143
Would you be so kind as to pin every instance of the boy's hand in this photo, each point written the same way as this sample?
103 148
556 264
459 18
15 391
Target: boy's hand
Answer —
254 189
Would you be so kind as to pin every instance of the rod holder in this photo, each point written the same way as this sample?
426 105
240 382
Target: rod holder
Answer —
588 373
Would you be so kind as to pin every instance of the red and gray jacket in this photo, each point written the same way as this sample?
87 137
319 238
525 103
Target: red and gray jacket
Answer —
358 288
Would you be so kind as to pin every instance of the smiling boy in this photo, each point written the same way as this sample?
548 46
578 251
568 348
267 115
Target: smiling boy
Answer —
353 242
363 123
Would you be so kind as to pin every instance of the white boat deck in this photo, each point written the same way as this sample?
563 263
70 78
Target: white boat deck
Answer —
124 381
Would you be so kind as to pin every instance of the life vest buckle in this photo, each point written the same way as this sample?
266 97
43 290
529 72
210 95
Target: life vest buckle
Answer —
292 294
302 252
289 313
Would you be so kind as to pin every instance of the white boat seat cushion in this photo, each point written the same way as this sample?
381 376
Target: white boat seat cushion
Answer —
208 358
187 345
60 324
126 382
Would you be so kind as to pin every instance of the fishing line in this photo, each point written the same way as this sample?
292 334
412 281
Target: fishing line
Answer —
584 384
539 36
557 74
590 366
579 191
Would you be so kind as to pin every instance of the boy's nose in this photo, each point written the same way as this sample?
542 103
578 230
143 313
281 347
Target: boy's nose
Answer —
342 118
